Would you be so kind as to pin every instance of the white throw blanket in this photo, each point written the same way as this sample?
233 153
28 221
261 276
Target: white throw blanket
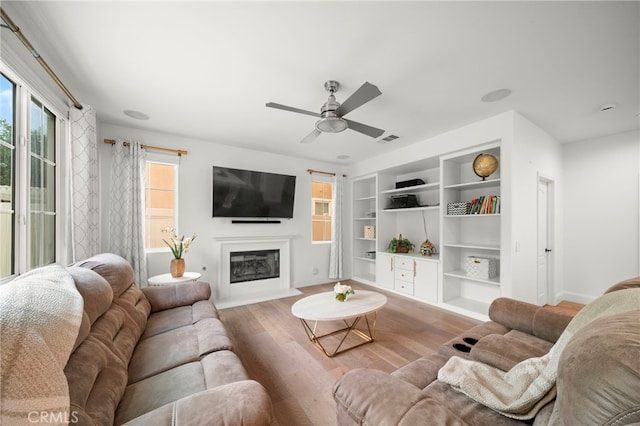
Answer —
520 392
40 315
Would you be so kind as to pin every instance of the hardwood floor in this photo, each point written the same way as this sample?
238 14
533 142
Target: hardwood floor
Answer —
275 350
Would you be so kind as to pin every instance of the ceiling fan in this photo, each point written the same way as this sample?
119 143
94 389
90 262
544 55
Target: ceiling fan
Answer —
331 116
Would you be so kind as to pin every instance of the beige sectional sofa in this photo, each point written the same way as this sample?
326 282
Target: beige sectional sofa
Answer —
598 374
157 355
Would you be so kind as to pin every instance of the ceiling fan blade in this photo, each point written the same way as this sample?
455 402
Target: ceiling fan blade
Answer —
292 109
311 136
374 132
364 94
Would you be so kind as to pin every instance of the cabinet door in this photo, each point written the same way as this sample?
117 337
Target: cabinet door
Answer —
384 270
426 281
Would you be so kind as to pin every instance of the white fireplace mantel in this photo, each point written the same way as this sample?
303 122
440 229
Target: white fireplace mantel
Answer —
253 237
228 294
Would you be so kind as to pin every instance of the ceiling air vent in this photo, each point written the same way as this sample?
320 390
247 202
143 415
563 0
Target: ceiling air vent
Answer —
388 139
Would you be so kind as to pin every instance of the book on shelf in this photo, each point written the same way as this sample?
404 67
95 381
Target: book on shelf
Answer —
489 204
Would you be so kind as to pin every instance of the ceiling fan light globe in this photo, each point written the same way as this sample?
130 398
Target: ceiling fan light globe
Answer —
331 125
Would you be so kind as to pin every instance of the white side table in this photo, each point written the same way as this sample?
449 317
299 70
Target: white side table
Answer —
165 279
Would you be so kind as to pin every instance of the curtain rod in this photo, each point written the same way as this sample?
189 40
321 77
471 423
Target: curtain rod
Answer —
180 152
14 28
320 172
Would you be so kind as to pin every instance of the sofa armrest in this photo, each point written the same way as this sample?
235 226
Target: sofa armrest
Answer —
175 295
239 403
529 318
359 403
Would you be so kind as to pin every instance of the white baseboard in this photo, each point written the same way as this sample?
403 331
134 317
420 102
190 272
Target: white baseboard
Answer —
574 297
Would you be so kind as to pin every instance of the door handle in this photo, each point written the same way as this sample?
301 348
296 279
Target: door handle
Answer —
547 250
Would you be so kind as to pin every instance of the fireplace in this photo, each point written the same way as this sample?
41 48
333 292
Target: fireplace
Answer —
252 268
254 265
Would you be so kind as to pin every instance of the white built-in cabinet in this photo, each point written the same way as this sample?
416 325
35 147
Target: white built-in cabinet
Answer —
364 215
440 279
409 274
465 235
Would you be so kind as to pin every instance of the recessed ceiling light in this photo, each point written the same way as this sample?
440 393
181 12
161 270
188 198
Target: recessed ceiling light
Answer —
607 107
136 114
343 157
496 95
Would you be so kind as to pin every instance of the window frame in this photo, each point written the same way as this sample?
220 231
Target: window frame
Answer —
315 200
166 159
24 93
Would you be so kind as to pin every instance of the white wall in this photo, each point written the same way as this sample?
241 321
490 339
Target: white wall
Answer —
535 153
194 206
601 212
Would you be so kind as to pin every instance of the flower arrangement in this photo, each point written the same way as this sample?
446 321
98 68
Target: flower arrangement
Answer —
342 291
177 245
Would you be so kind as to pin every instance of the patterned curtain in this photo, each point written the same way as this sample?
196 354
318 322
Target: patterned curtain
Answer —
126 221
85 219
335 255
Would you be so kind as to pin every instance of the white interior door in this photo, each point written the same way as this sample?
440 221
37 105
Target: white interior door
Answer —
544 239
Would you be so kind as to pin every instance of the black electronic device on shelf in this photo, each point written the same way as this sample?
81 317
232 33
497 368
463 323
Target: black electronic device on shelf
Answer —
409 183
404 201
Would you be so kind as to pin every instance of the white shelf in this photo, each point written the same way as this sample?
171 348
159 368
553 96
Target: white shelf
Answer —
364 218
463 275
472 215
368 198
424 187
365 239
412 209
473 185
472 246
366 259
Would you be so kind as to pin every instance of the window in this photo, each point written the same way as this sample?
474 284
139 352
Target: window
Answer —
28 179
42 197
160 202
7 167
321 211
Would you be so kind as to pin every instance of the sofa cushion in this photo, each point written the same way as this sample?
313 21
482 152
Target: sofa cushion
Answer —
97 380
181 294
116 270
216 369
628 283
159 322
175 347
95 290
505 351
599 373
238 403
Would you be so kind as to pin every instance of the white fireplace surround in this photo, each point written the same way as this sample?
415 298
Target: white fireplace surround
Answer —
227 294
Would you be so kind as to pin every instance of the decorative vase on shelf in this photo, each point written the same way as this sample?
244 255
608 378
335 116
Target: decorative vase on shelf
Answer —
177 268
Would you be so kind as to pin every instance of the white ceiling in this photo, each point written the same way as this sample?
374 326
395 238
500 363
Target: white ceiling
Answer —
205 69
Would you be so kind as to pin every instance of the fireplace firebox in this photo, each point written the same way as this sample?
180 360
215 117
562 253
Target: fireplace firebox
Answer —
254 265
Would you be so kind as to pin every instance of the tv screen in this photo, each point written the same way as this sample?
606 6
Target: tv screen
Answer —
252 194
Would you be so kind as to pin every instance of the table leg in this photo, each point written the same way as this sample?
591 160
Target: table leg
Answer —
367 336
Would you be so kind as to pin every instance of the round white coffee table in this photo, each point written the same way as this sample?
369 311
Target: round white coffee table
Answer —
165 279
325 307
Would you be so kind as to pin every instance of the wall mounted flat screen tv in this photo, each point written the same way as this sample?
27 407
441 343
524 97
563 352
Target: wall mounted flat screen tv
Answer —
252 194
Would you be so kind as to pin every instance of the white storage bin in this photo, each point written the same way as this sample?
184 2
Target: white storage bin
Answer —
481 267
369 232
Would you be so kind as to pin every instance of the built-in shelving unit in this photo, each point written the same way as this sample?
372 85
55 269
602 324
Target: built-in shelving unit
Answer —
365 202
465 235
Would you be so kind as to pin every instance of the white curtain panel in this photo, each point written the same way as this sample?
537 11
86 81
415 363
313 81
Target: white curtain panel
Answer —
85 217
335 256
126 220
